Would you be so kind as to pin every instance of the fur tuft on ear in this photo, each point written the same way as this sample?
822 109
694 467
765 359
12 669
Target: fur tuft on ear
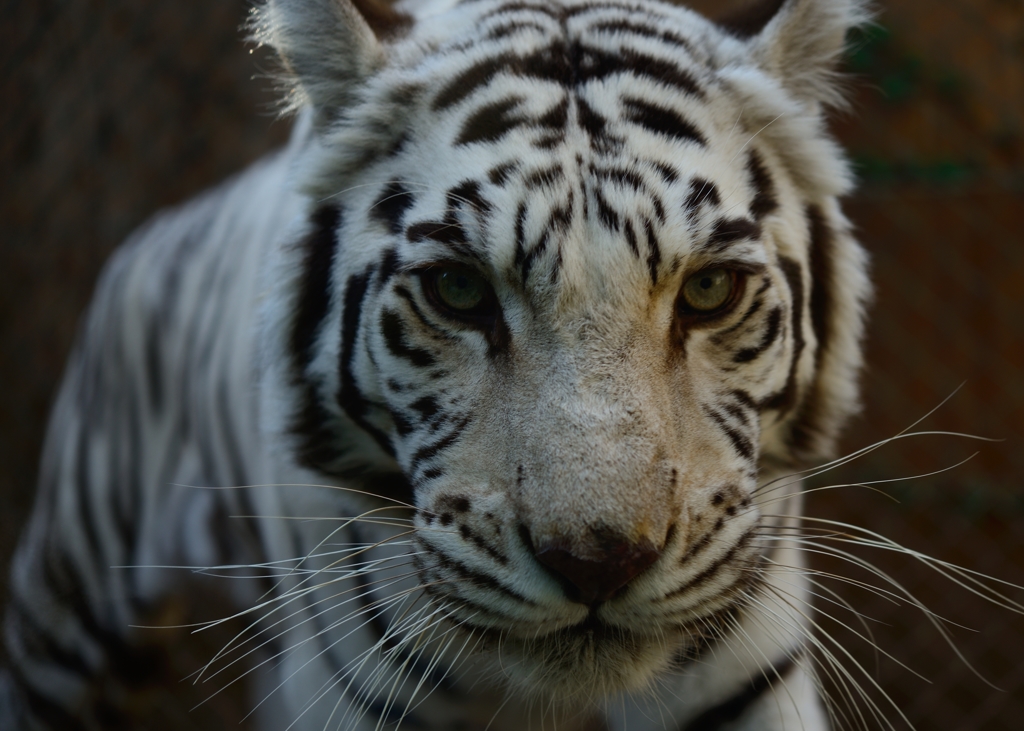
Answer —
799 42
327 47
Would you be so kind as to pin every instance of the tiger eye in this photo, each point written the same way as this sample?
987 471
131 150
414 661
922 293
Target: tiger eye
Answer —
460 289
708 290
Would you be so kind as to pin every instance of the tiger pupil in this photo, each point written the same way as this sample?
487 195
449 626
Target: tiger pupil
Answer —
707 291
459 290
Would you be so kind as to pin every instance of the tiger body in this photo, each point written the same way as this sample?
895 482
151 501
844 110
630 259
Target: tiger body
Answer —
541 509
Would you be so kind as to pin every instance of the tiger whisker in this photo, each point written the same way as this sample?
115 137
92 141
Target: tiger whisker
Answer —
229 649
974 578
822 469
381 603
840 667
858 453
833 553
841 683
387 581
935 621
341 488
272 659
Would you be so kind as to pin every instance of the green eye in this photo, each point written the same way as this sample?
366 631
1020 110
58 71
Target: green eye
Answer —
708 290
460 289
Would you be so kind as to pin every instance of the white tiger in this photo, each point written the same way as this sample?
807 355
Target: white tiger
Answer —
496 355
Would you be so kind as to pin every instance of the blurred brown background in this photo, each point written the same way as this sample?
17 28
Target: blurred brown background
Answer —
113 109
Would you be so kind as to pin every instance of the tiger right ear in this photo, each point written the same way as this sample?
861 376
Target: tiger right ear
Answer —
327 47
799 42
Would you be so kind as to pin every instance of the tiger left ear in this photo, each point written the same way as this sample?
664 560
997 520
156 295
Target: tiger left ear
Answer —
328 47
800 42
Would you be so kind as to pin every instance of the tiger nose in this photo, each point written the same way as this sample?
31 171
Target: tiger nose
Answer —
599 575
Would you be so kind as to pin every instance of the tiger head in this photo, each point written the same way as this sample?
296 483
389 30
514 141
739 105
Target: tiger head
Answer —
577 273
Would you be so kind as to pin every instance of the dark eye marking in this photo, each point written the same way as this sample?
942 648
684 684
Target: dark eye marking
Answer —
443 232
393 330
391 205
771 333
727 231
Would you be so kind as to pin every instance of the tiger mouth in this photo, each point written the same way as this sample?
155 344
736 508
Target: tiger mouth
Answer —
593 658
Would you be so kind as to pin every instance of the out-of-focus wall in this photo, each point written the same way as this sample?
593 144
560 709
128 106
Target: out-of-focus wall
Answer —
114 109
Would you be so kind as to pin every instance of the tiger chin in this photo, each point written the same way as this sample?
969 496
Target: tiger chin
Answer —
502 368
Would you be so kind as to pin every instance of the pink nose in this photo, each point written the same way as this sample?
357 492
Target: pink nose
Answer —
598 577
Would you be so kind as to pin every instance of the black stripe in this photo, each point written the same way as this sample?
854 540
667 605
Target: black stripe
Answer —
653 251
722 716
555 118
389 265
723 336
608 216
431 450
427 407
544 177
715 566
468 534
467 82
520 234
727 231
513 7
311 423
391 205
743 445
771 333
526 262
561 217
406 295
512 27
667 172
660 120
467 193
643 30
546 64
474 577
320 249
500 174
448 232
349 397
596 64
822 258
592 122
631 180
764 188
701 191
784 399
822 305
630 235
491 122
393 330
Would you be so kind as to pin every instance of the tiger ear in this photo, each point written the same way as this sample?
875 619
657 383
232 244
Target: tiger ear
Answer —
327 47
799 42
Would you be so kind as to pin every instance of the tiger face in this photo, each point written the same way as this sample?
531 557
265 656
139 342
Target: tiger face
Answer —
577 273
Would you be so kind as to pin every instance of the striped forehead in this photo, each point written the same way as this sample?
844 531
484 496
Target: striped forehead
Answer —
556 129
525 63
